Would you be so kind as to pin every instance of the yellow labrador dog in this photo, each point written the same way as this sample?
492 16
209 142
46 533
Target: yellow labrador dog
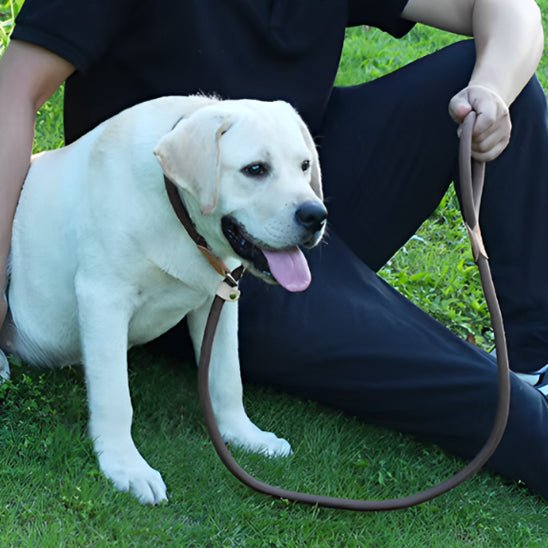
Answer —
98 252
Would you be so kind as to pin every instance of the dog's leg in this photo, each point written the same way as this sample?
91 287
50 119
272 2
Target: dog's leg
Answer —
104 331
226 385
4 368
4 365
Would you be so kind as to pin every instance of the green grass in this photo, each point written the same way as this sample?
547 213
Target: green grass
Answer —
52 494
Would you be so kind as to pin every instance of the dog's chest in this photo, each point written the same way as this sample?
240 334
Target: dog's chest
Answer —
160 307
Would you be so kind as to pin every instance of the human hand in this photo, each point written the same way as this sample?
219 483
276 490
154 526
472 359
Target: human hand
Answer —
492 128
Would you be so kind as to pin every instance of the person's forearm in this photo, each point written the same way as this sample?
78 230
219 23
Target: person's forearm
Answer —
509 43
16 136
28 77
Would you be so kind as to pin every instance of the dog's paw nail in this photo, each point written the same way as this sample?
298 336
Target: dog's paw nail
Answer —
151 490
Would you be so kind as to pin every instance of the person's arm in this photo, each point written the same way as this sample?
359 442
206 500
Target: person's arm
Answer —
28 77
509 42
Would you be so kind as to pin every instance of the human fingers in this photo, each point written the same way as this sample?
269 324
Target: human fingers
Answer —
491 147
492 128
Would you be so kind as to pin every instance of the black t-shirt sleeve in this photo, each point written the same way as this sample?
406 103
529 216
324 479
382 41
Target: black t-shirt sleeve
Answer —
79 31
383 14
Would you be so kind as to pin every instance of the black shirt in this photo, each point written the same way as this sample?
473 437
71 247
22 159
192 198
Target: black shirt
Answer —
128 51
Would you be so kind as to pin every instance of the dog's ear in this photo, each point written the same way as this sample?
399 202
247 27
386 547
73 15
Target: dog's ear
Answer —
315 171
190 155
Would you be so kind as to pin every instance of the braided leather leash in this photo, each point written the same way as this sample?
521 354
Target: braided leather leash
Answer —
472 178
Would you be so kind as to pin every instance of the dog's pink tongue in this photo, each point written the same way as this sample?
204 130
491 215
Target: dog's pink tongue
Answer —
289 268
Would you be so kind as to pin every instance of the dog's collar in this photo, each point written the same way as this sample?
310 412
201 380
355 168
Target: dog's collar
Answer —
182 214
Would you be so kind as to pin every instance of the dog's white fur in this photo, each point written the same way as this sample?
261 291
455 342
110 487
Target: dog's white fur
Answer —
100 262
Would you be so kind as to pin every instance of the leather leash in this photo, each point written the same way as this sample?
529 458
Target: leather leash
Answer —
472 179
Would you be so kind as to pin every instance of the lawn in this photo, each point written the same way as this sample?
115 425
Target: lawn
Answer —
52 494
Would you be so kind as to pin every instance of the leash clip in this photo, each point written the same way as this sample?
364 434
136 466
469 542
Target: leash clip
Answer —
228 292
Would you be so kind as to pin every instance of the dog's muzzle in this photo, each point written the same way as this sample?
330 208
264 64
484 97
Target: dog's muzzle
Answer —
287 266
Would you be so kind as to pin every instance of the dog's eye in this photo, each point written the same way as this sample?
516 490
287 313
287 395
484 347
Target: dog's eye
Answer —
305 166
259 169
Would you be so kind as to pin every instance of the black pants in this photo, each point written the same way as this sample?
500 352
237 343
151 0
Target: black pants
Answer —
388 154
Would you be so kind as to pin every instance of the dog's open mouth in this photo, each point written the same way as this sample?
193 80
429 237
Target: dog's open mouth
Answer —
288 267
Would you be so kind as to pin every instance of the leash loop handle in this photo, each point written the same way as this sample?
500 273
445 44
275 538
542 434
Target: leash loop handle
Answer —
471 190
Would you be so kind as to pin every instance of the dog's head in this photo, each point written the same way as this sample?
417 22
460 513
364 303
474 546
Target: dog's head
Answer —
250 177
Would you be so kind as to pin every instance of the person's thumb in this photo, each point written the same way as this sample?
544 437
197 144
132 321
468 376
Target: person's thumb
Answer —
459 107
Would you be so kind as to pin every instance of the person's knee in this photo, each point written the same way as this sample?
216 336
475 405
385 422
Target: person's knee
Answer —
455 64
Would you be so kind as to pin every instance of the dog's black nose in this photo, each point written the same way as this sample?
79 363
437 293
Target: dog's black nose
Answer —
311 215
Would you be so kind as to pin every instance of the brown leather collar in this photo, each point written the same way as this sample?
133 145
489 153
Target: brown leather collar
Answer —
183 216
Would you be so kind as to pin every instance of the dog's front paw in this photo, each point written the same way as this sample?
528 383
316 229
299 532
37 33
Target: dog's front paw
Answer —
4 368
253 439
129 471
